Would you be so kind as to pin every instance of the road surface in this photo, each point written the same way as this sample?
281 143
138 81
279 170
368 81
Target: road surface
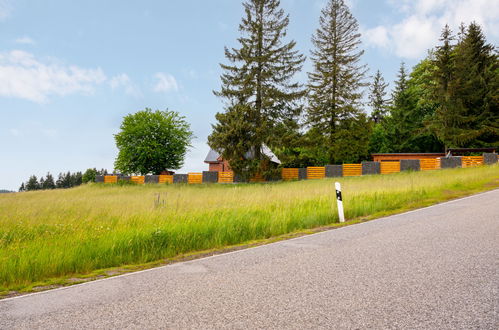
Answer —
435 268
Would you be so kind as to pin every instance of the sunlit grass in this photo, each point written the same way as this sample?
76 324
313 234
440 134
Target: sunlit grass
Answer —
46 234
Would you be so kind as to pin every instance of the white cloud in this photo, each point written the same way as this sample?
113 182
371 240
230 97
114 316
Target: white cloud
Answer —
124 81
377 36
23 76
25 41
423 20
15 132
165 83
5 9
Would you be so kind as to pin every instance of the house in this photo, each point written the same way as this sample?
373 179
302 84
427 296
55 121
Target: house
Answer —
218 164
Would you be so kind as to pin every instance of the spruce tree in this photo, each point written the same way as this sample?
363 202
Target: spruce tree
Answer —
60 181
397 126
22 188
337 77
477 89
257 87
377 98
48 183
466 90
32 183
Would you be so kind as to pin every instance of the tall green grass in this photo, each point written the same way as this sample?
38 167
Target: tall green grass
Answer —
48 234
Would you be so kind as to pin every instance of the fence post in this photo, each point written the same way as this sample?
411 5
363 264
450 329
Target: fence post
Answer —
339 201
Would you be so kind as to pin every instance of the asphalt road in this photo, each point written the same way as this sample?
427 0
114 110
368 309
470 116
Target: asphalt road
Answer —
435 268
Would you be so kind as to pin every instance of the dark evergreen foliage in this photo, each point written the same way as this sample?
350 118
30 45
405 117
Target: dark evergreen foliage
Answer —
377 98
257 87
466 90
336 81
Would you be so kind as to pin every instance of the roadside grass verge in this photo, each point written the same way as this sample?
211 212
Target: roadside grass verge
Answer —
60 237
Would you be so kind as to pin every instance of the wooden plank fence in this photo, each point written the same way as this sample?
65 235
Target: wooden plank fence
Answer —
110 178
352 169
289 174
472 161
139 179
165 179
195 178
225 177
390 167
316 173
429 164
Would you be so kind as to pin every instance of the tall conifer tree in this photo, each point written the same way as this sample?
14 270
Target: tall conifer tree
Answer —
466 90
257 87
337 77
377 98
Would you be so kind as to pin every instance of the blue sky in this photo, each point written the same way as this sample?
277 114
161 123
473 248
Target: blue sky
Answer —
70 70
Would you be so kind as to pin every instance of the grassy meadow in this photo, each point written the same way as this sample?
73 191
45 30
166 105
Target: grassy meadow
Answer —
61 233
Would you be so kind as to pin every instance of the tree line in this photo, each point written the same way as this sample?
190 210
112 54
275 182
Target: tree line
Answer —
450 99
64 180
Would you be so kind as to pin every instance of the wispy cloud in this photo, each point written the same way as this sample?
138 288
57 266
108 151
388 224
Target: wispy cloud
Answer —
124 81
15 132
422 22
165 83
25 41
5 9
23 76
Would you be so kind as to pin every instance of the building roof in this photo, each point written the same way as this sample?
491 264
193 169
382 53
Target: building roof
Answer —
213 155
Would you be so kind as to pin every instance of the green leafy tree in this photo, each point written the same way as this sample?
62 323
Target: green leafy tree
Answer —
377 98
89 175
152 141
257 88
336 81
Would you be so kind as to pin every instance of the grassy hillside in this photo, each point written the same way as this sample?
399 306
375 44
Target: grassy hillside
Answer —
49 234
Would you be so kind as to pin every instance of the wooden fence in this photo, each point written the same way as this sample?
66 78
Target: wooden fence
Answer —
165 179
139 179
471 161
289 174
429 164
110 178
195 178
352 169
225 177
316 173
388 167
312 172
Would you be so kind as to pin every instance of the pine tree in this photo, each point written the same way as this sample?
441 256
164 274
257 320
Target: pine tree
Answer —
335 83
377 98
398 125
48 183
477 89
60 181
22 188
466 90
257 86
32 183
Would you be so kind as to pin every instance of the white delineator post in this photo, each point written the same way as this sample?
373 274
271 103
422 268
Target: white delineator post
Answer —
339 201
